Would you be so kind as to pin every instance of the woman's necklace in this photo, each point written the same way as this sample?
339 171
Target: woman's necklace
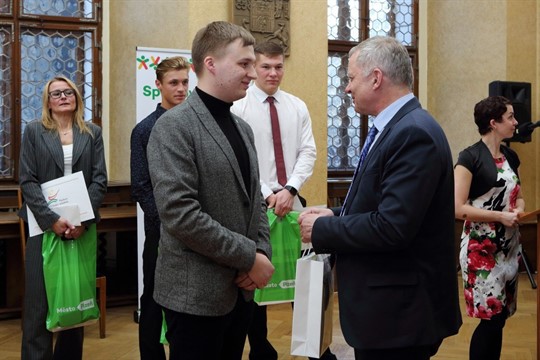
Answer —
66 131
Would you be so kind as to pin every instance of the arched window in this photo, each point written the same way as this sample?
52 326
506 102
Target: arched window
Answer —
350 22
40 39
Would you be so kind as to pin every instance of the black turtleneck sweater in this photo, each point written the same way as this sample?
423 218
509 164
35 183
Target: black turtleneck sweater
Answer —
221 111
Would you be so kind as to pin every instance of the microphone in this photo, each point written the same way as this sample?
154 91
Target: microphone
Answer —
527 128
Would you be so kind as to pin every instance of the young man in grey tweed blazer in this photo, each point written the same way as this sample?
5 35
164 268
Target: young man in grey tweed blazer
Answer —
214 248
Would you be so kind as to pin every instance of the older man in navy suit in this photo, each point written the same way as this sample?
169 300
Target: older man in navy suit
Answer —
394 236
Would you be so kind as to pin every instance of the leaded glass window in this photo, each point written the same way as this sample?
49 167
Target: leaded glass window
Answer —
5 7
6 105
54 38
46 54
343 121
72 8
350 22
344 20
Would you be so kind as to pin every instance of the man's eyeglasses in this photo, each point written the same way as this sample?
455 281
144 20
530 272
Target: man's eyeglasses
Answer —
56 94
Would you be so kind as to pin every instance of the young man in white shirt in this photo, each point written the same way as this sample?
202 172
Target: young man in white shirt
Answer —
298 157
298 145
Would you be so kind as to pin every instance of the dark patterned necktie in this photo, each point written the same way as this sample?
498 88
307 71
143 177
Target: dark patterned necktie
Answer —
370 138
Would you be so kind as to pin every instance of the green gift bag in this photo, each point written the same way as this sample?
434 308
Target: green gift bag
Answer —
286 244
69 268
163 336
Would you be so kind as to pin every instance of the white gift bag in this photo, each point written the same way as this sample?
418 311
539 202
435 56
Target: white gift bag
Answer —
313 306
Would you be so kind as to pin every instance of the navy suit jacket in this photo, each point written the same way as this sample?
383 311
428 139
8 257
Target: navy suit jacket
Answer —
394 245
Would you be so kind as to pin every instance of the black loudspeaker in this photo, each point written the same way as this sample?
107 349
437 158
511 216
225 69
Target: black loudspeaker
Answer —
519 93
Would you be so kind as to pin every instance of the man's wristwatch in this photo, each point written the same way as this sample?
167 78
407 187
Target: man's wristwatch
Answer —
292 190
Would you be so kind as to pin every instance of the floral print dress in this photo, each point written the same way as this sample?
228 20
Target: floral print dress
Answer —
490 251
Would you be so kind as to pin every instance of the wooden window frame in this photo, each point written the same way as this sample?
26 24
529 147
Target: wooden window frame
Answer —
19 21
337 179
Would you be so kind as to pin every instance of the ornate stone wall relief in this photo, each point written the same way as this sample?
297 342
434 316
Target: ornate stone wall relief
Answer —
267 20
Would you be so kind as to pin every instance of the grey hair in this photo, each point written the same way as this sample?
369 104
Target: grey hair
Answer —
387 54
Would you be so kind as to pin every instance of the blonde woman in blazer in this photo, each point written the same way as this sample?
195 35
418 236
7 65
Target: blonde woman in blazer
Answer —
59 144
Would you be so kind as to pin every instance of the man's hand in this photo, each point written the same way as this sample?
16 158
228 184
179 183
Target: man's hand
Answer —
307 219
262 271
284 202
244 281
271 201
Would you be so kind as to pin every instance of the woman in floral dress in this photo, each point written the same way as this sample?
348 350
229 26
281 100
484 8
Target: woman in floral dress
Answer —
488 198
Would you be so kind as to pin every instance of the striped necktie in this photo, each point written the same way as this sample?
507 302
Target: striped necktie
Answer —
369 141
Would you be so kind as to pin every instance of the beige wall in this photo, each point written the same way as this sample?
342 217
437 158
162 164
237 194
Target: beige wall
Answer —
131 25
470 44
173 24
306 77
521 59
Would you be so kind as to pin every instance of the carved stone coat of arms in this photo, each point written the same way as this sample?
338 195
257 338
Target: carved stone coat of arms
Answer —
267 20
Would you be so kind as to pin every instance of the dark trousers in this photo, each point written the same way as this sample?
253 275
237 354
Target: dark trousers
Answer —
414 353
37 341
260 347
209 337
151 317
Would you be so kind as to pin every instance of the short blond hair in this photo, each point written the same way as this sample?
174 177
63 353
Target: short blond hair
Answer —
213 38
174 63
269 49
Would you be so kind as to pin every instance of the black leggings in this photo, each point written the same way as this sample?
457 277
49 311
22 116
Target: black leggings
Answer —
486 341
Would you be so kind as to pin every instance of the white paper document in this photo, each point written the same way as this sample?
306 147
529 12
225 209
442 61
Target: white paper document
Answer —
68 197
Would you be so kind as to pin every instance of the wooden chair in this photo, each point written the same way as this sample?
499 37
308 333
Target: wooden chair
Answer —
101 281
101 285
